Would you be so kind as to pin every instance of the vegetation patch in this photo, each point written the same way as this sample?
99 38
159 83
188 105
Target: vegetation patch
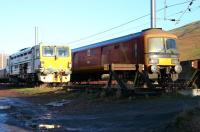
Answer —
37 90
186 121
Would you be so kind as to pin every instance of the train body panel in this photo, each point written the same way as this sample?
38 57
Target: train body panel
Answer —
123 51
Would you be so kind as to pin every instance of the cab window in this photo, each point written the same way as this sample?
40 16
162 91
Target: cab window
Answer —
156 45
48 51
62 52
170 44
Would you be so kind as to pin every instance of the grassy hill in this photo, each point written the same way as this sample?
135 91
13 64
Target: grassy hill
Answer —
188 41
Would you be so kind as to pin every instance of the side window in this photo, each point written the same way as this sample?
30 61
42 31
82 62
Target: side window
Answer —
37 53
88 52
135 50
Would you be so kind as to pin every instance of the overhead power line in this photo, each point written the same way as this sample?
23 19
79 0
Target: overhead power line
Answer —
113 34
188 9
175 20
93 35
182 12
121 25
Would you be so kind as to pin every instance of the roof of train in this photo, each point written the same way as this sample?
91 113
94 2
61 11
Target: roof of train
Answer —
107 42
21 51
30 48
121 39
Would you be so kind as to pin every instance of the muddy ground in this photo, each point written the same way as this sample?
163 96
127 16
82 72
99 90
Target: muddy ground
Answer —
60 110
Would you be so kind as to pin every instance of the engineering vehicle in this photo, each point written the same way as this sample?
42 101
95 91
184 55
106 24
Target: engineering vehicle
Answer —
40 63
148 56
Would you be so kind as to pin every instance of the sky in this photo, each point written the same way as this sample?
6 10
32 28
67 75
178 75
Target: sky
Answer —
65 22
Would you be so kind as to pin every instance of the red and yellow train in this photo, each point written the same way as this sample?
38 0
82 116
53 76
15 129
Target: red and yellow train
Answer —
151 52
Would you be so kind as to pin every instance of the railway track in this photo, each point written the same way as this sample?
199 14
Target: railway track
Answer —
110 88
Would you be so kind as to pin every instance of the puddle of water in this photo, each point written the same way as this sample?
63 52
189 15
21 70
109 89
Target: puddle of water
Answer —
4 107
10 128
7 104
12 101
3 117
46 116
59 103
48 126
79 117
73 129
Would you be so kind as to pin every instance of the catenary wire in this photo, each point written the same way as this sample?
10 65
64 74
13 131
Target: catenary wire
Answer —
102 32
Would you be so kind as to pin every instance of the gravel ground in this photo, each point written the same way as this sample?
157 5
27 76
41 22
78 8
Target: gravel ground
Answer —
88 112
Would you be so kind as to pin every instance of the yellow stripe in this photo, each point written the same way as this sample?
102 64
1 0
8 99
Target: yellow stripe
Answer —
165 61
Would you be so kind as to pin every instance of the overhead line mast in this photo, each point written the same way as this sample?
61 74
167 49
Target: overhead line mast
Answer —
153 13
36 35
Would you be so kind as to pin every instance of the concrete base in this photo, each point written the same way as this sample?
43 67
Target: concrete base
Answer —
190 92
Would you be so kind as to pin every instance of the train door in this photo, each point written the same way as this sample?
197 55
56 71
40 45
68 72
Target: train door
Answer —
23 70
140 51
135 52
75 61
36 58
105 55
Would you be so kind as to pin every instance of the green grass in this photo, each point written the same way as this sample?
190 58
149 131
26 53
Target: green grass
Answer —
36 91
186 121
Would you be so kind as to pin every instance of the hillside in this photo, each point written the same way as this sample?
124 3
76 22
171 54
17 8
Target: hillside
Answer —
188 41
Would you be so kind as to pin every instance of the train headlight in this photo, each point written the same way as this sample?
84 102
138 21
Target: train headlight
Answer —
51 70
178 68
41 69
42 64
45 72
154 68
153 61
67 72
175 61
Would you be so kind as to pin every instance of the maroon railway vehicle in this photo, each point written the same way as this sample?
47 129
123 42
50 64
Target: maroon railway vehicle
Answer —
152 53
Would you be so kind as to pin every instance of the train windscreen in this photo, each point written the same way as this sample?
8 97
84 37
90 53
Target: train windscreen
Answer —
162 45
48 51
62 51
156 45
